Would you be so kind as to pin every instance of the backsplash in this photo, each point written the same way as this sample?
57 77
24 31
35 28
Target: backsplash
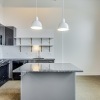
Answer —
14 52
23 47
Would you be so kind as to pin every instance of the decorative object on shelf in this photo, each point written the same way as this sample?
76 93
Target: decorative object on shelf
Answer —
36 25
63 26
37 49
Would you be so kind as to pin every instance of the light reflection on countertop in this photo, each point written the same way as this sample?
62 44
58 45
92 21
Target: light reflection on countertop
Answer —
37 67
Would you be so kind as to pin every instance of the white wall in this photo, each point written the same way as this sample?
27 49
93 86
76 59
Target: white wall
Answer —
22 19
80 45
1 52
1 21
1 11
11 52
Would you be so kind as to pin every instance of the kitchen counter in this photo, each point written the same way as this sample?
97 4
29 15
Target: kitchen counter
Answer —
48 67
48 81
27 59
17 62
31 60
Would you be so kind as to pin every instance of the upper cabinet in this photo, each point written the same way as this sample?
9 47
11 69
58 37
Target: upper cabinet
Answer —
2 32
7 35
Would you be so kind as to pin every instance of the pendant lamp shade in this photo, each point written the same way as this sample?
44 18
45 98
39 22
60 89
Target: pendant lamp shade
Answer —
63 26
37 25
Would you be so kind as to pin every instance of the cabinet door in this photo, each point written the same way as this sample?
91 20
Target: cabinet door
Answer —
4 73
2 34
9 36
16 64
0 39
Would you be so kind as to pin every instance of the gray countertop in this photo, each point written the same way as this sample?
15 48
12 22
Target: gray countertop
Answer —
14 59
3 62
6 60
48 67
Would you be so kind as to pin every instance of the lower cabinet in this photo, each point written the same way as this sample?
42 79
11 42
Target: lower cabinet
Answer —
4 71
16 64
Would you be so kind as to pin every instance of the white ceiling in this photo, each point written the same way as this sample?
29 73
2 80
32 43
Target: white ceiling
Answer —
31 3
51 3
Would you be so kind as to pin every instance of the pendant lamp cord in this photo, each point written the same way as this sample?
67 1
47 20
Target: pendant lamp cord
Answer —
36 8
63 9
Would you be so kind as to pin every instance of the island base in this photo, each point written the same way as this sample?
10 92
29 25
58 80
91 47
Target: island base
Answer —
48 86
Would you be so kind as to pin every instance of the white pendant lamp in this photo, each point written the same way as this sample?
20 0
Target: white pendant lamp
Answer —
36 25
63 26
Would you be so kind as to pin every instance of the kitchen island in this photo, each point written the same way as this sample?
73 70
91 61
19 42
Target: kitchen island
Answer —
48 81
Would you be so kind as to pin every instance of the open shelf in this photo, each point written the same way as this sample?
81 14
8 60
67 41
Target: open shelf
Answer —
33 37
35 45
33 41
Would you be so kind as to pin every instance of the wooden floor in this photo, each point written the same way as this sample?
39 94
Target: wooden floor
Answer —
87 88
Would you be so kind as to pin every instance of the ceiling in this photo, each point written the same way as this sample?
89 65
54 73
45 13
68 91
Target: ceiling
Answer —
48 3
69 4
31 3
